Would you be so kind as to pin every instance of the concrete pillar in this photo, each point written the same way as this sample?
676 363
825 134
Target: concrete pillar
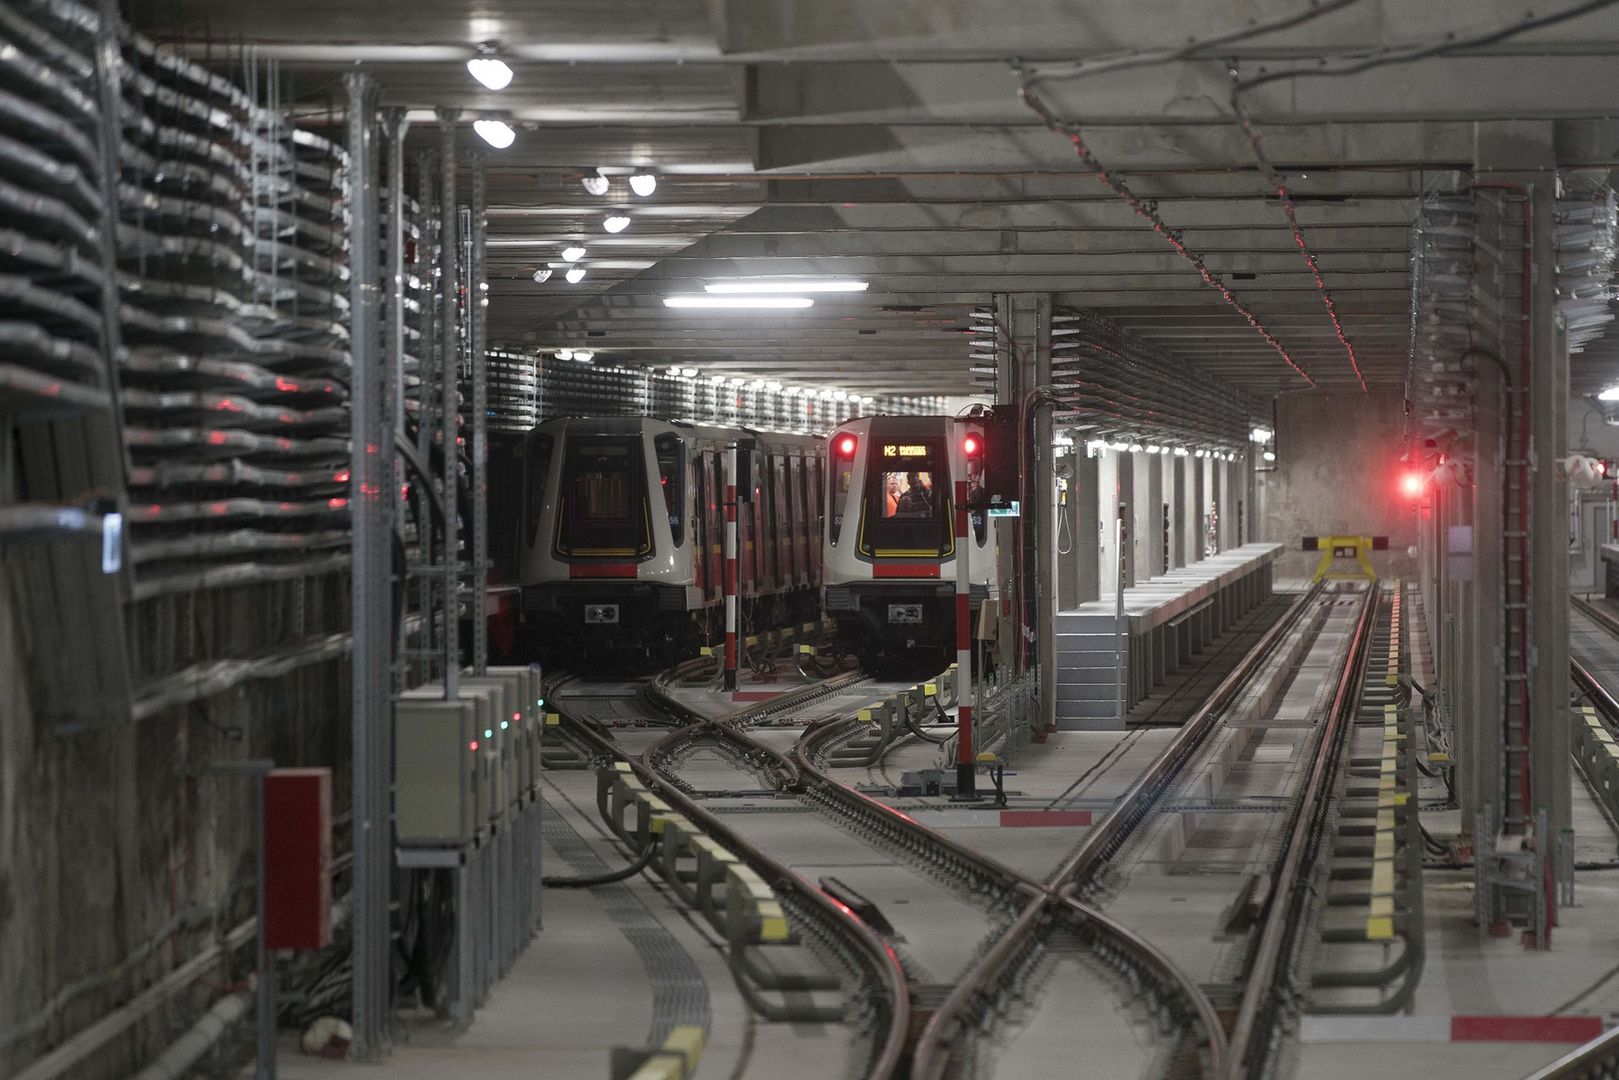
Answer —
1194 509
1213 511
1522 154
1175 496
1083 497
1156 515
1106 501
1125 496
1478 728
1141 518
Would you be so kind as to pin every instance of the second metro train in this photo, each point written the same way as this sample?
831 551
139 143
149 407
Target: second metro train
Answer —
890 551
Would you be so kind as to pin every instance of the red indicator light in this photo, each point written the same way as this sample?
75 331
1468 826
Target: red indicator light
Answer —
473 745
1411 484
970 445
846 445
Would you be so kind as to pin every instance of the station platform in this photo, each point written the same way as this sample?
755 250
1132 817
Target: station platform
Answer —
1166 621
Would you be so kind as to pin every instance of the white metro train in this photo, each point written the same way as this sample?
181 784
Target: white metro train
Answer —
620 546
889 544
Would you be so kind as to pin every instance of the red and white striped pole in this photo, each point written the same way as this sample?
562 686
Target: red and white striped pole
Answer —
966 766
730 568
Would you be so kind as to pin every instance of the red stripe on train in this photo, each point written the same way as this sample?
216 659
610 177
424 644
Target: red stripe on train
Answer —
601 570
924 570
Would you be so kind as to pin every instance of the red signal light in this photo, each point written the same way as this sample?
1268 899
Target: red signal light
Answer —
1411 484
846 445
970 445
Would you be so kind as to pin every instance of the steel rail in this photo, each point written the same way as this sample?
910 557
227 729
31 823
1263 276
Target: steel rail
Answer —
995 968
1252 1033
885 973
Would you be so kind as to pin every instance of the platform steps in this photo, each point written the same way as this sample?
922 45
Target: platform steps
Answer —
1370 923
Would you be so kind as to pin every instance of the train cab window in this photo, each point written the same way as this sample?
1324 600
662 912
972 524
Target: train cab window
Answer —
672 478
537 470
604 508
907 494
843 473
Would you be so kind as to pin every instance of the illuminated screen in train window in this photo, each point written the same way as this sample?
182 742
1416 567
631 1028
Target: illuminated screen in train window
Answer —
908 495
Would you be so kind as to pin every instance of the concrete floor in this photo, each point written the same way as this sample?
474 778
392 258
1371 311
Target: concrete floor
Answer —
581 988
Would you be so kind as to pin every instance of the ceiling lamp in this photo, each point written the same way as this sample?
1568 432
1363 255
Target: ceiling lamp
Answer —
496 133
564 354
693 301
773 387
783 285
1610 394
573 253
491 72
575 275
673 371
542 275
1261 435
616 223
690 372
595 183
584 356
643 183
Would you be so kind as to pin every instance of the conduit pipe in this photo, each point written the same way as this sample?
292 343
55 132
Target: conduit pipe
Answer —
184 1053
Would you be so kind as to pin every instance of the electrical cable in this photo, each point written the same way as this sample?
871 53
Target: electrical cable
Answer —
1194 49
612 876
1149 212
1407 54
1279 186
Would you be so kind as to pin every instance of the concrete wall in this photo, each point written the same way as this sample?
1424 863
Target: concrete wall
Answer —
1337 472
118 859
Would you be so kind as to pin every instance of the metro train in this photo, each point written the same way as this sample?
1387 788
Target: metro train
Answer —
889 544
621 537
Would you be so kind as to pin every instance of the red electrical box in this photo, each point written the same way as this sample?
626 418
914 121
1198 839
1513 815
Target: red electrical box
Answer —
298 858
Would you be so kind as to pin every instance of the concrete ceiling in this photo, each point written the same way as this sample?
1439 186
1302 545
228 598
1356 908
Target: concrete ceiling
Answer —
886 139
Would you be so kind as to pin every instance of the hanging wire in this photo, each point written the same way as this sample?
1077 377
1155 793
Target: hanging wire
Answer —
1279 186
1149 212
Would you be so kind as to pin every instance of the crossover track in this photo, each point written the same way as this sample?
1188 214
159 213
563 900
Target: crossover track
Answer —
1050 914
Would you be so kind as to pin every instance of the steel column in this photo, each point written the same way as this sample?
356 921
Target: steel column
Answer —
478 321
731 481
394 126
369 478
966 767
449 364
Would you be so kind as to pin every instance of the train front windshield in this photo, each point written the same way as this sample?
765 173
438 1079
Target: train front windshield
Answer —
604 510
907 496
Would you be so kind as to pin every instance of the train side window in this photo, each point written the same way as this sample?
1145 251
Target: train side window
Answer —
671 454
537 470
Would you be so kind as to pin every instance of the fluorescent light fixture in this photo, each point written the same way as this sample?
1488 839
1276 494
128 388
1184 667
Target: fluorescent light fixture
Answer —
496 133
573 253
690 372
564 354
542 275
493 73
695 301
868 400
584 356
575 275
756 384
1610 394
616 223
1261 435
1181 451
773 387
783 285
1135 448
643 183
673 371
736 380
595 183
1095 447
715 380
840 395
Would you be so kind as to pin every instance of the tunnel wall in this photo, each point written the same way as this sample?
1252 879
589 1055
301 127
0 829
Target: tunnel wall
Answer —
1337 472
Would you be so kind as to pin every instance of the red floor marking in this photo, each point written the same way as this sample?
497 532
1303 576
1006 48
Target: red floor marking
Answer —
1549 1029
1023 819
755 695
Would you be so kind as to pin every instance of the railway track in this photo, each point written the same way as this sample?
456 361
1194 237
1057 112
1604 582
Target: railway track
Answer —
1030 921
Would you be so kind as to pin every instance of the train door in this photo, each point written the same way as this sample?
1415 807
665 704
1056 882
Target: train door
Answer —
781 532
700 523
714 468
